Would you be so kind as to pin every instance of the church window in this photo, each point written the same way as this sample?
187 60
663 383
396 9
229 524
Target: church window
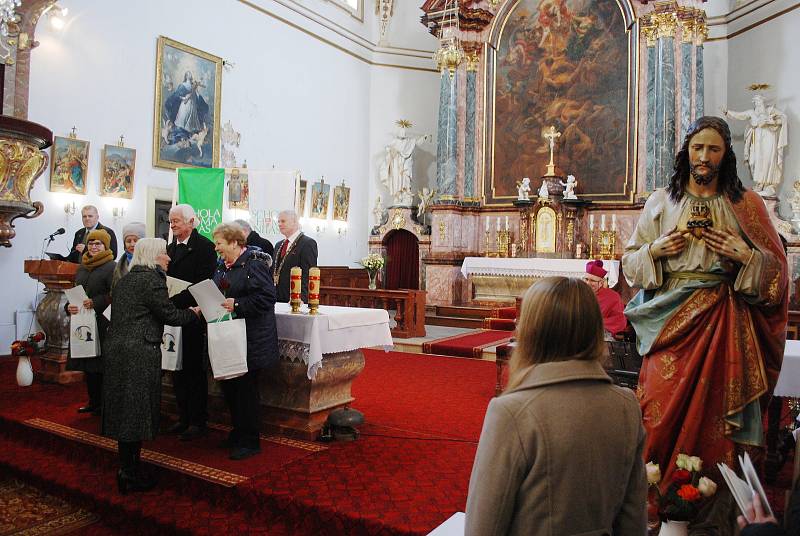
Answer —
355 7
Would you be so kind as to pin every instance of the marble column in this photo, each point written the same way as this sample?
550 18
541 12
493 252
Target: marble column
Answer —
699 84
469 136
447 143
665 110
652 70
686 86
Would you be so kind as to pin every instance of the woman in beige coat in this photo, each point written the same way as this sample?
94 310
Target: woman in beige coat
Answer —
561 449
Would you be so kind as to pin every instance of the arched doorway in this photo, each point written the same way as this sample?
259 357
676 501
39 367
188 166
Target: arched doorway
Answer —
402 260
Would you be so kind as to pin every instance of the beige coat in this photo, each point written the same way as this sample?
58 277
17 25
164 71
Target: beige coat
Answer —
561 454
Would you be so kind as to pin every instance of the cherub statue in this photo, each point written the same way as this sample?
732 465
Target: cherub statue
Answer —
569 187
377 211
425 200
543 193
523 188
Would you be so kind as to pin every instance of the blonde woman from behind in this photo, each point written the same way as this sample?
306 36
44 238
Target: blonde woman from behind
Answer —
561 448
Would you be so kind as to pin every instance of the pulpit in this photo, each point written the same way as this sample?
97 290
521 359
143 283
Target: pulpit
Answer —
50 313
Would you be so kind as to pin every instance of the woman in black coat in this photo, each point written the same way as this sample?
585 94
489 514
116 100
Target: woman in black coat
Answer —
95 275
132 387
243 276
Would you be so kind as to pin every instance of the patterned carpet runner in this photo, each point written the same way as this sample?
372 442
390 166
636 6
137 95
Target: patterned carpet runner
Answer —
468 344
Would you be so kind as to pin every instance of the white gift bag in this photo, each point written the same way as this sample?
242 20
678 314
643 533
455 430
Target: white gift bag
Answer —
172 348
227 348
83 339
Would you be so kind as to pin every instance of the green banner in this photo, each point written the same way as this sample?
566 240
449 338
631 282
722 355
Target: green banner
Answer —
202 189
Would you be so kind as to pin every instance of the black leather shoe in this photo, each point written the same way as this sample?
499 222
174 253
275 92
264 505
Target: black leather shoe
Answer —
240 453
193 432
96 412
87 409
177 428
227 443
127 482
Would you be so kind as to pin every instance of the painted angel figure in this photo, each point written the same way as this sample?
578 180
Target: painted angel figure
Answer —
425 200
764 141
569 187
523 189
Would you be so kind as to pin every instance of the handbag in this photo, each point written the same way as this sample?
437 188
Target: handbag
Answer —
172 348
83 336
227 347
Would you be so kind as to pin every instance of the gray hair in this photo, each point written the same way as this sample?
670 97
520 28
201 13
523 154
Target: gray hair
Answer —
290 213
146 251
186 211
90 207
244 224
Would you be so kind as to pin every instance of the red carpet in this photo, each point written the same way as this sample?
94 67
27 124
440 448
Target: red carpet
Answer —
407 473
467 344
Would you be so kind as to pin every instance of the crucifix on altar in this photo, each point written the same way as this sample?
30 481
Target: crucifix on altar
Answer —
551 134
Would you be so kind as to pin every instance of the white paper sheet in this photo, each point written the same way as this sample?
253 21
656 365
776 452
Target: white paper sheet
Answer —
76 295
107 313
209 298
176 286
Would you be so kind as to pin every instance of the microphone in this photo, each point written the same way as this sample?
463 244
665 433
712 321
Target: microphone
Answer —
57 232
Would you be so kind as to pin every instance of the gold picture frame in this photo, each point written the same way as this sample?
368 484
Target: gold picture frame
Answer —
186 114
341 202
69 165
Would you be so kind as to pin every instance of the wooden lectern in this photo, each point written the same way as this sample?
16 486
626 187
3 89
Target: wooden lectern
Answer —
50 313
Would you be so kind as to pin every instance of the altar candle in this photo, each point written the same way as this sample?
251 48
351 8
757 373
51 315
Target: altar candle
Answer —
603 222
613 222
591 222
313 286
498 223
295 276
506 223
487 224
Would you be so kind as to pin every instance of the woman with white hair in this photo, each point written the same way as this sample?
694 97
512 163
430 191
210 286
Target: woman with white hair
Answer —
132 386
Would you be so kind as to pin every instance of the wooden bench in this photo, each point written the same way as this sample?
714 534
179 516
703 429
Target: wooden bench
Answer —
408 306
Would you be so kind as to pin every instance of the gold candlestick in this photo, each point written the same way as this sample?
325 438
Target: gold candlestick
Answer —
502 243
488 251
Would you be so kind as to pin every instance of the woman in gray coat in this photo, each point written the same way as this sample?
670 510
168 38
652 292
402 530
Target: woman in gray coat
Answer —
561 449
132 387
95 275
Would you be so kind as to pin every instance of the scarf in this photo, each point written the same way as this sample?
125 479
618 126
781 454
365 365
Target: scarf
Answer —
98 260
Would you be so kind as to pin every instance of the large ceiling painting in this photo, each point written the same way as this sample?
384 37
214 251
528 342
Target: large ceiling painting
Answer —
565 63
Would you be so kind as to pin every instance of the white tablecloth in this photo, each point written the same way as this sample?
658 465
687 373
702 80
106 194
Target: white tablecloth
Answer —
534 267
789 378
335 329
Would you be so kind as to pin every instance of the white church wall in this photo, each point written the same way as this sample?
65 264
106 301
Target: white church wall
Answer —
715 64
299 93
766 54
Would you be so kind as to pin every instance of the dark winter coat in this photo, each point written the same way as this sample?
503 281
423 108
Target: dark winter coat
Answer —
97 284
132 380
193 262
121 270
249 283
255 239
80 238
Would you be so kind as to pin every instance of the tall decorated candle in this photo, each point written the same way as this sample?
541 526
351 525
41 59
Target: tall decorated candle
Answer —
313 290
295 284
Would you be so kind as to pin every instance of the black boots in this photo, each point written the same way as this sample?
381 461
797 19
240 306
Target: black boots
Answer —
130 477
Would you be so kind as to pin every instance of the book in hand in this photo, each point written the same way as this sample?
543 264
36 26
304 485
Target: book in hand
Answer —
744 490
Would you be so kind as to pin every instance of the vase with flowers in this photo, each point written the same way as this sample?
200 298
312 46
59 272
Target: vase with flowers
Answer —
373 264
24 349
685 494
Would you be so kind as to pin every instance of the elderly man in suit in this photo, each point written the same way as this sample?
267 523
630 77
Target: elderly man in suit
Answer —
295 250
192 259
255 239
90 219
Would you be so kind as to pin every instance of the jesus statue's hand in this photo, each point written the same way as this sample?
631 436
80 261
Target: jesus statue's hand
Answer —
726 243
668 244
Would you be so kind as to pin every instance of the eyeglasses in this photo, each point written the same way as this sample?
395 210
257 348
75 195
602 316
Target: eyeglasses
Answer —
95 244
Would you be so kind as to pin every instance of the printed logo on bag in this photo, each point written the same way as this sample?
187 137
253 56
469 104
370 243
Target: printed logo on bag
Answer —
168 342
84 333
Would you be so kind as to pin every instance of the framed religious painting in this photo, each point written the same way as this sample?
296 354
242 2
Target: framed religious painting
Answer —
187 106
341 202
301 189
320 192
69 165
118 167
238 189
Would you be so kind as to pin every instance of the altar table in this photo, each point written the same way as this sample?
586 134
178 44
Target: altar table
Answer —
503 279
320 356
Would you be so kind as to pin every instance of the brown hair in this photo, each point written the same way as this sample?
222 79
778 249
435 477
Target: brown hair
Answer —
230 232
560 320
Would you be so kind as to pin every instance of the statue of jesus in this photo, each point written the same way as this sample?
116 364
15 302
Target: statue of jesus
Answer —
395 170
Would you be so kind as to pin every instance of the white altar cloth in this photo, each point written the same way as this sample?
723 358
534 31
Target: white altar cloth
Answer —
335 329
789 378
534 267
